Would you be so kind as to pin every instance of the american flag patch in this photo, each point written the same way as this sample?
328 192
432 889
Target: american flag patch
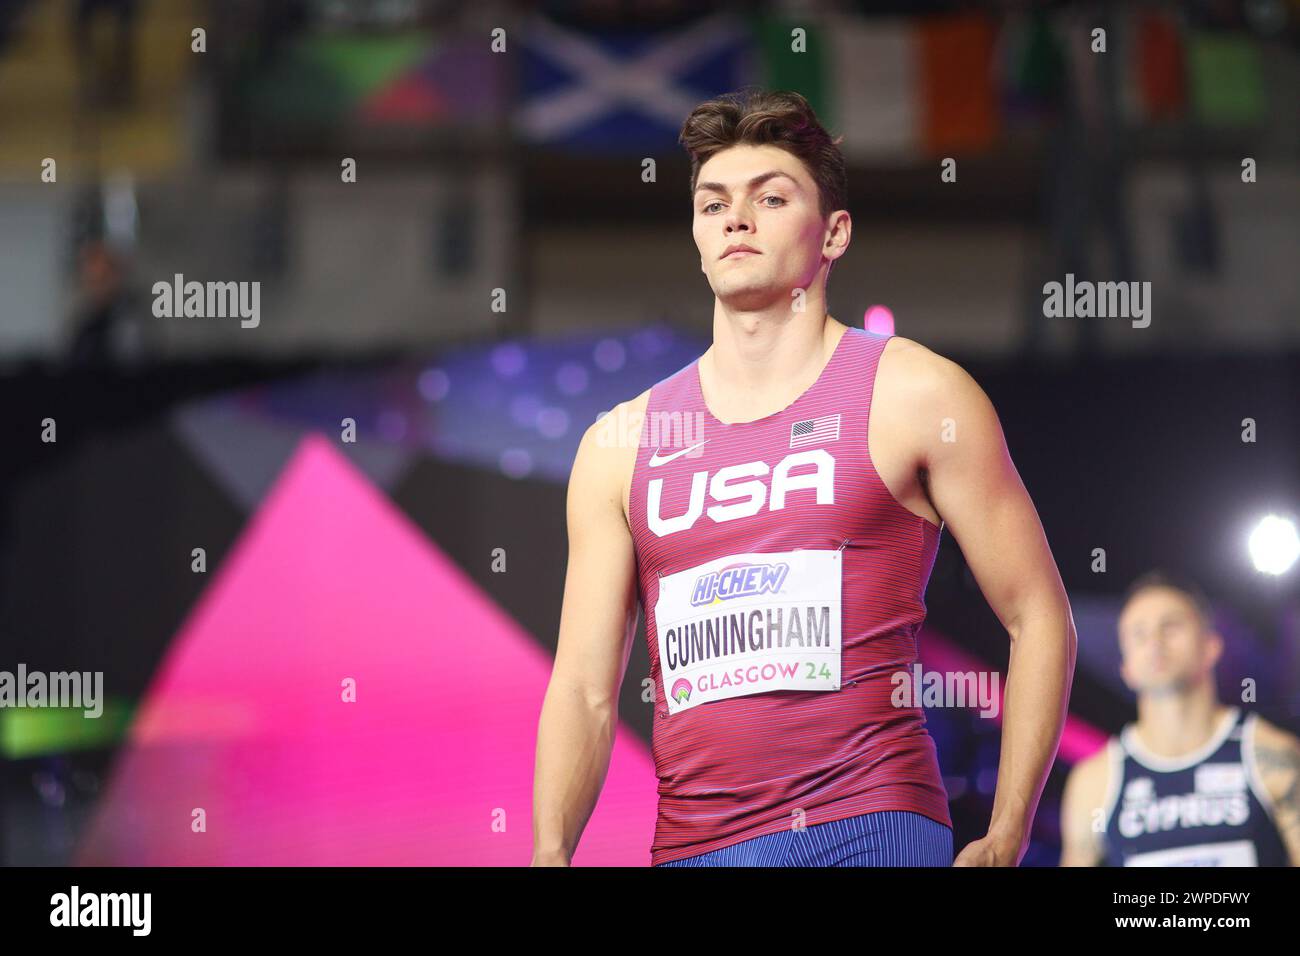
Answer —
815 431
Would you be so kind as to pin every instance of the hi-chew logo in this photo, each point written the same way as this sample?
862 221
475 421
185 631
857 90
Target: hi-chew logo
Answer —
738 580
681 690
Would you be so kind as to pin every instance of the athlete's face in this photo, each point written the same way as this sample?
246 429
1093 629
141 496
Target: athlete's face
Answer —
777 216
1164 645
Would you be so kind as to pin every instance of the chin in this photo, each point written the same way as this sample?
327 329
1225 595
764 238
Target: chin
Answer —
1168 685
744 296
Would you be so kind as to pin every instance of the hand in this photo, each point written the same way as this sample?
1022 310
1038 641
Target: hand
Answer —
991 850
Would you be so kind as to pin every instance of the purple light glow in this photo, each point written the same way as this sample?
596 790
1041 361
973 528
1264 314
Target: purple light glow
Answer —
880 320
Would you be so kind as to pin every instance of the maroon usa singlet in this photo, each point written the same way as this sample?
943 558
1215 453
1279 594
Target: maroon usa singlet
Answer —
782 586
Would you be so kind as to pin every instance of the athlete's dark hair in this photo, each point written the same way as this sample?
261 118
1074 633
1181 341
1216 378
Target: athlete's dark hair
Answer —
769 117
1160 578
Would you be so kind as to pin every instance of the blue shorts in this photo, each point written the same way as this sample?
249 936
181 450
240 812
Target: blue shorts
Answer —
882 838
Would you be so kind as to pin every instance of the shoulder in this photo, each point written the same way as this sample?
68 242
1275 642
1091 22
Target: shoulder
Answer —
912 372
607 440
1090 789
1276 753
614 433
636 405
927 401
620 417
1271 735
1091 776
606 457
1275 756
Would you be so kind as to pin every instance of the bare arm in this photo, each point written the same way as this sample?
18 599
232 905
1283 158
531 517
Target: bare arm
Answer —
579 716
1277 755
1085 791
976 489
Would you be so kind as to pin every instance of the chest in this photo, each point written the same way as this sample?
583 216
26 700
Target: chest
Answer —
852 483
823 493
1212 796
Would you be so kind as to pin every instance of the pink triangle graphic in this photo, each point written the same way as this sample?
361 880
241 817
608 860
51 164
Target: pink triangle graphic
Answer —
431 765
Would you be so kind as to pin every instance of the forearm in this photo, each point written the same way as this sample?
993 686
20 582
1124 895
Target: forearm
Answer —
575 738
1037 694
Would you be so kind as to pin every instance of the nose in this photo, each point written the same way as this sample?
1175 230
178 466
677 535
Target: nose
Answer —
736 221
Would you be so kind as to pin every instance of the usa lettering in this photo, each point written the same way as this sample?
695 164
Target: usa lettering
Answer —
738 498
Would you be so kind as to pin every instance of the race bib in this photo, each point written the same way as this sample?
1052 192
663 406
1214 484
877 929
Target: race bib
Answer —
750 623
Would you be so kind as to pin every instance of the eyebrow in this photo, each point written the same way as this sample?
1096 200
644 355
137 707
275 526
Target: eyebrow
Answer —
756 181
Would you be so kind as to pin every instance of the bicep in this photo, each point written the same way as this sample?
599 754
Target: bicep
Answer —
1277 757
977 491
598 615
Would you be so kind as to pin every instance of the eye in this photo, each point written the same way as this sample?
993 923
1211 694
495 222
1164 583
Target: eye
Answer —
777 198
714 203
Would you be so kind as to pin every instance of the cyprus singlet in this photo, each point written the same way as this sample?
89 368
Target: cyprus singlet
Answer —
1207 808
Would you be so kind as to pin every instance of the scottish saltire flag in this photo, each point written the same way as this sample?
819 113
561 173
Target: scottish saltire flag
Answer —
621 91
814 431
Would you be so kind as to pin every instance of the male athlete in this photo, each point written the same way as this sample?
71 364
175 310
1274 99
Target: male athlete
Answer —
775 509
1193 782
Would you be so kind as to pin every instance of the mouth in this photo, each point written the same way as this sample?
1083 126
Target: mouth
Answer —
737 253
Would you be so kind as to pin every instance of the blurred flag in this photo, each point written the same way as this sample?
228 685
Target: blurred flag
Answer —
875 85
617 91
895 88
961 112
1158 66
459 80
1033 64
406 78
861 76
1226 79
803 71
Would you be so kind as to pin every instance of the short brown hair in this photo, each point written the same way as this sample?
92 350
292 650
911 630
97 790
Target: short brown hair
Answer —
1160 578
778 117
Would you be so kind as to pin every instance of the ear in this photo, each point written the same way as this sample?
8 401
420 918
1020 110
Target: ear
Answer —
1126 676
1214 647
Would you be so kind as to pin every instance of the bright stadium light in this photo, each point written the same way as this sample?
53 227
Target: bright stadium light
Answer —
1274 545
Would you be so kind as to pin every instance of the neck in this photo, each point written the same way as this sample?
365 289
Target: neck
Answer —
1170 725
758 359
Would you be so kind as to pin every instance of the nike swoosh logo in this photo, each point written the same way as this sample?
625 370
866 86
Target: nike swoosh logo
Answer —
655 459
